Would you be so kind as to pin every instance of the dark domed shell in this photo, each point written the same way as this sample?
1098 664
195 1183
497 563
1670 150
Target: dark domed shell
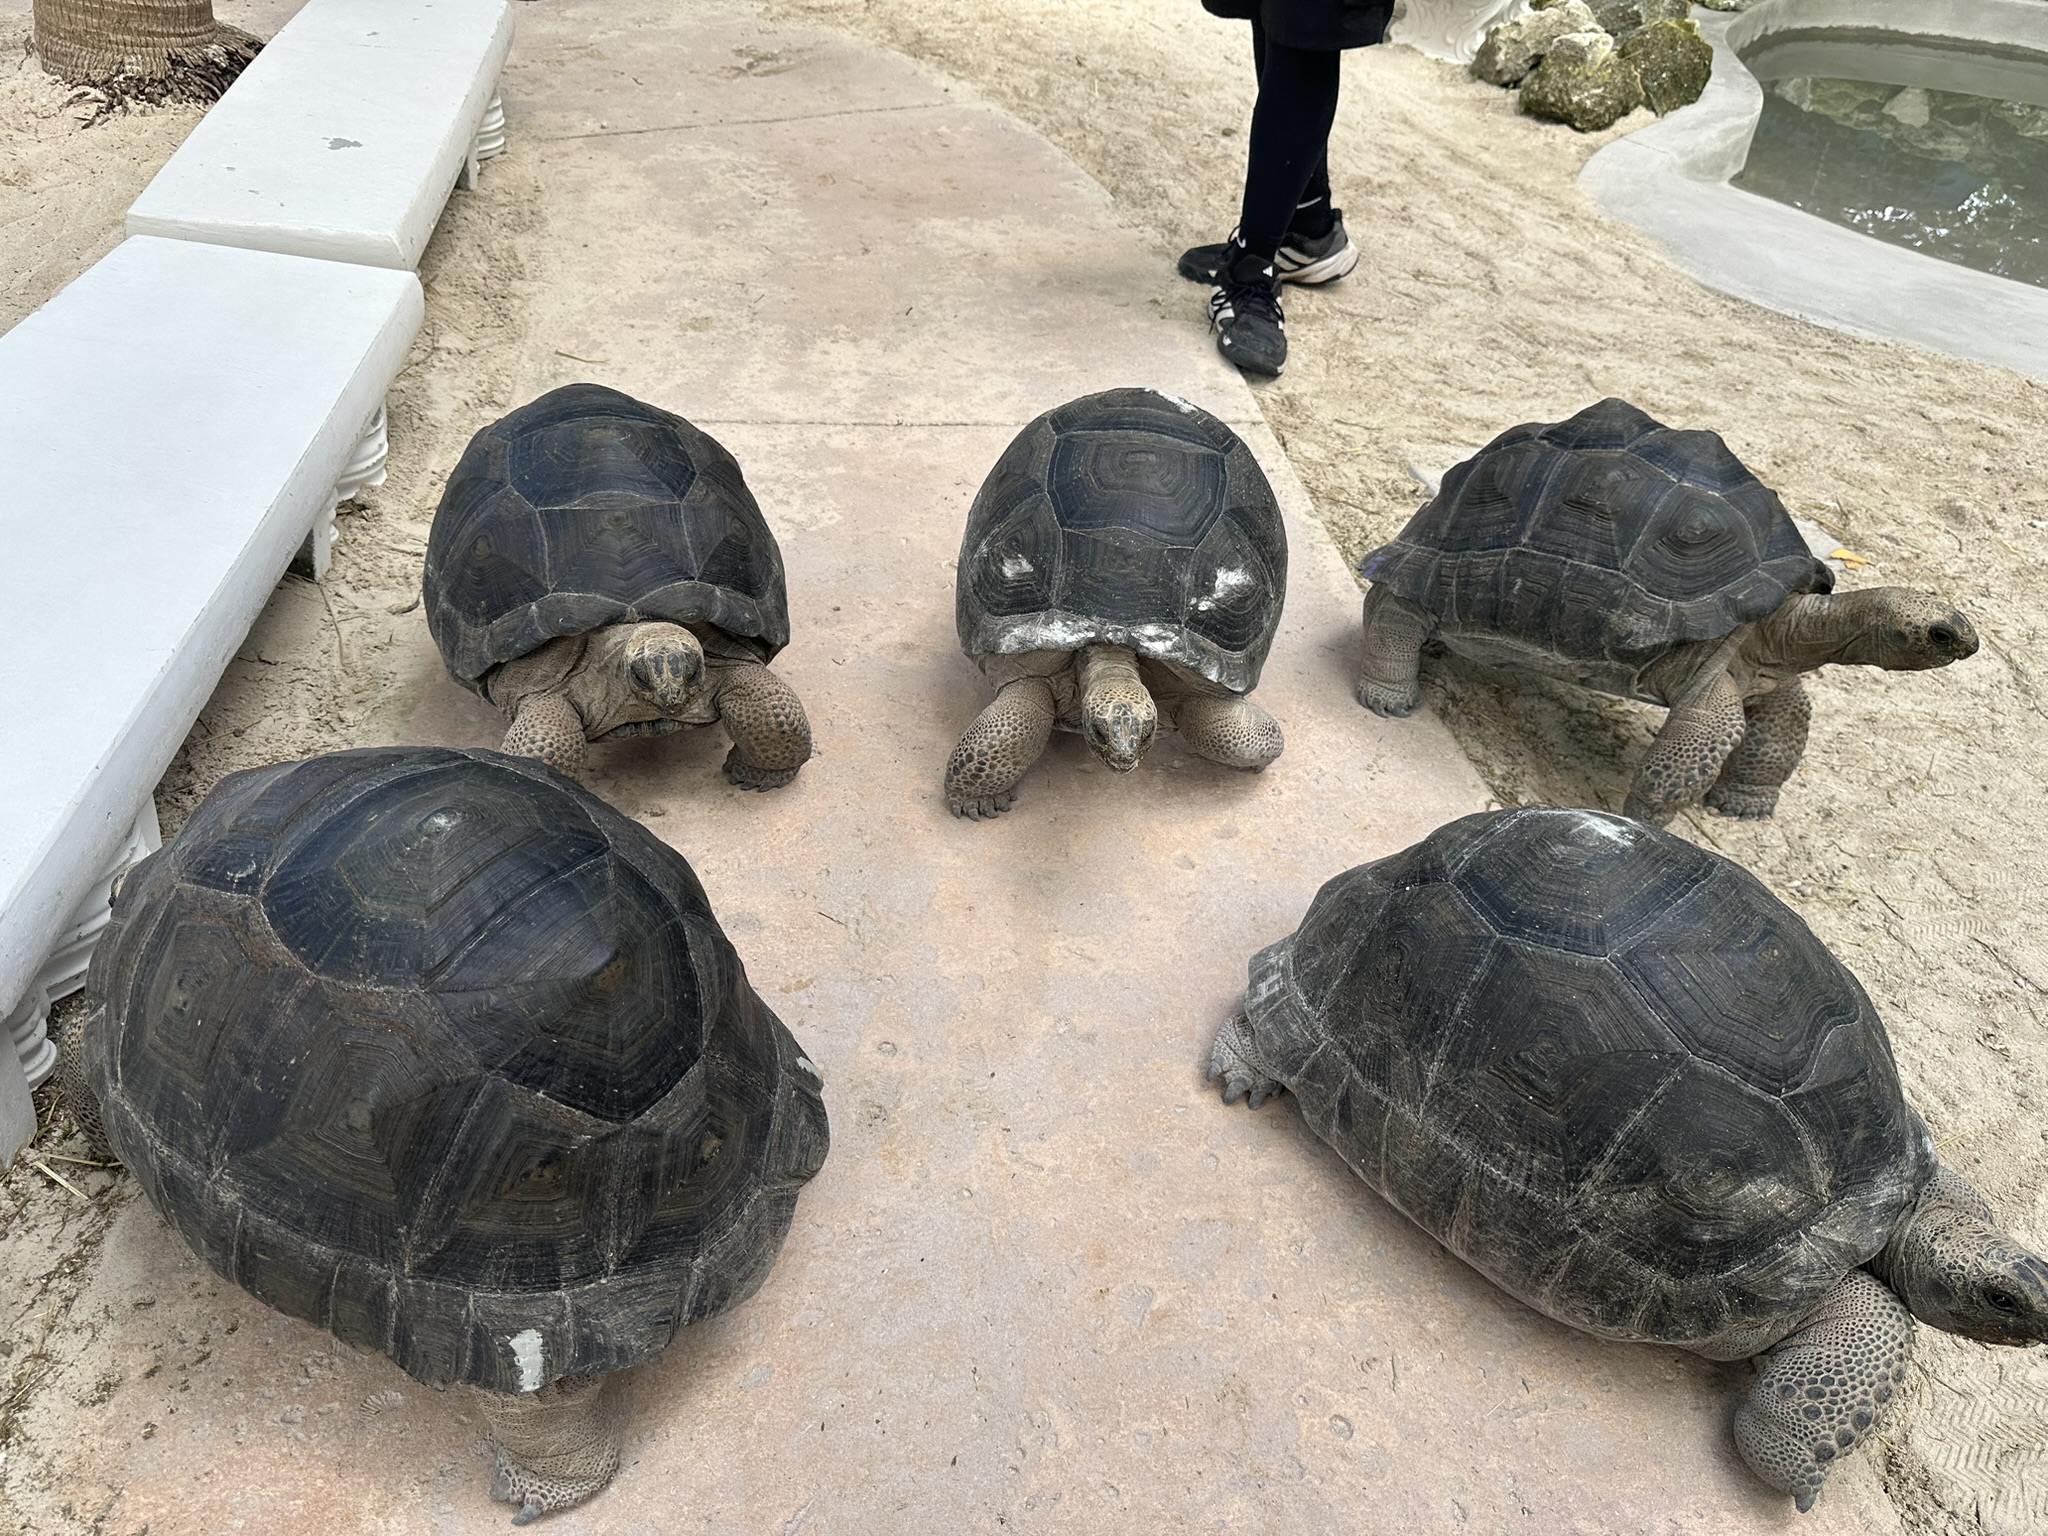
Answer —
1126 518
437 1050
1606 1067
587 508
1607 537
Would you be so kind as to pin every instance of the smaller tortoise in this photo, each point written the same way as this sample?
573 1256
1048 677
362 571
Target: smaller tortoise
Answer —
437 1051
1619 1078
1621 555
1124 557
598 568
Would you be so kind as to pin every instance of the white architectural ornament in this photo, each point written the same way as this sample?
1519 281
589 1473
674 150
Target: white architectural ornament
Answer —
1451 29
63 973
366 467
489 141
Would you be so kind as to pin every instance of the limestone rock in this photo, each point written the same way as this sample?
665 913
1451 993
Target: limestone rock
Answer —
1584 81
1674 61
1619 18
1727 5
1513 48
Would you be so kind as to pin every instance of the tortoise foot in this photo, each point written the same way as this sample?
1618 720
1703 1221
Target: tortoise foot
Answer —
746 776
1234 1059
981 807
1390 703
1743 804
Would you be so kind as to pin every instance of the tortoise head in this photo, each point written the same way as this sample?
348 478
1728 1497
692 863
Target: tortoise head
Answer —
1955 1269
665 665
1901 629
1118 716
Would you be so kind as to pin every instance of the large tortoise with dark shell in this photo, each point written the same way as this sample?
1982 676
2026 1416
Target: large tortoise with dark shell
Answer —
1618 1077
598 568
437 1051
1614 552
1124 559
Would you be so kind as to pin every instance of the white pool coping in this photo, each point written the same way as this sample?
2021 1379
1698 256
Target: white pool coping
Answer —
178 419
1670 180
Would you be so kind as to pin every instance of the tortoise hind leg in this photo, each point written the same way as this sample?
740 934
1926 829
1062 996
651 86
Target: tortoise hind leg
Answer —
70 1017
555 1447
1390 674
1825 1386
771 735
1773 739
1234 732
999 748
1235 1058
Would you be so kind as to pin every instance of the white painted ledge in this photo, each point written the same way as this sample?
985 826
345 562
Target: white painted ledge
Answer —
1670 180
345 136
178 420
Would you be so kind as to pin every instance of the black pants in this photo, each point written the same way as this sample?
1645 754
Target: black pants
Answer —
1287 177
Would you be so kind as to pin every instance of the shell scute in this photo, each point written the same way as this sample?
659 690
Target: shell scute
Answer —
468 1044
1588 547
585 508
1126 518
1605 1067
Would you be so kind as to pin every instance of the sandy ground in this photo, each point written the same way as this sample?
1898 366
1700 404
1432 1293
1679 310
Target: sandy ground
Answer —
1492 292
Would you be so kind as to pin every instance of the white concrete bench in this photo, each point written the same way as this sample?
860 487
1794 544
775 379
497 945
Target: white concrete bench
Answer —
177 422
345 137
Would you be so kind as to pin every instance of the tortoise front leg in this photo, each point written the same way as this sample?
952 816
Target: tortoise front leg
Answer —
771 736
1773 738
1699 733
555 1447
999 748
1825 1386
547 727
1390 674
1234 732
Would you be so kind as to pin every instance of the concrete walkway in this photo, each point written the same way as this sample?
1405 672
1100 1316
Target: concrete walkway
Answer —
1046 1281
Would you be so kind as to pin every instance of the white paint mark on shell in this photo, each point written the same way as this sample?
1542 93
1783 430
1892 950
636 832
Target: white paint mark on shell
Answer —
1613 828
1016 567
805 1063
1175 401
529 1355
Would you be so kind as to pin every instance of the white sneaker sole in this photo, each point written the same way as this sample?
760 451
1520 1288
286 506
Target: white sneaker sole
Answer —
1339 263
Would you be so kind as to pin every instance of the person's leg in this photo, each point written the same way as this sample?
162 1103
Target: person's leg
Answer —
1290 131
1289 141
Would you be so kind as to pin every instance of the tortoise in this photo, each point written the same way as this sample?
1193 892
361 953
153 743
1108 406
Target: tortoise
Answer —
1125 556
1616 553
437 1051
598 568
1614 1074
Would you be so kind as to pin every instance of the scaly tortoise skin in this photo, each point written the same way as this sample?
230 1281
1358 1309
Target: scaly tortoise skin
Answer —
1613 552
598 568
437 1051
1125 557
1614 1074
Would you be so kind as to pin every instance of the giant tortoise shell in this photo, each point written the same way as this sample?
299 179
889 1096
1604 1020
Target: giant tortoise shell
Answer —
1606 1068
1588 548
438 1051
586 508
1126 518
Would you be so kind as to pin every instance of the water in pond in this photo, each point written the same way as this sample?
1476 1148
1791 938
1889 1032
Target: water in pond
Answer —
1964 178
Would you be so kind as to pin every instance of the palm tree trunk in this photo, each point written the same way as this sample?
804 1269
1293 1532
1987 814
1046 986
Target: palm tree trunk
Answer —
141 50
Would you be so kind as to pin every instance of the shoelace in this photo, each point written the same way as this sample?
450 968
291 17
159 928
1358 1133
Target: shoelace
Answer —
1241 299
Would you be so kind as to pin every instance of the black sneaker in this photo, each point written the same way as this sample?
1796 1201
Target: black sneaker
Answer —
1244 309
1301 260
